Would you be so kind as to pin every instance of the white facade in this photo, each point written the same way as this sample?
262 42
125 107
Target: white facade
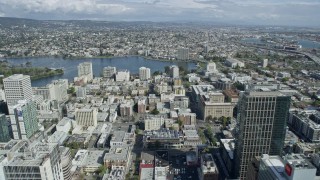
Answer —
144 73
64 125
81 92
17 87
211 67
85 69
153 123
123 75
233 63
87 117
109 71
264 63
174 71
58 90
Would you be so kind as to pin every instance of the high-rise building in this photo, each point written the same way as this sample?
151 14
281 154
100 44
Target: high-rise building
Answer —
24 121
174 71
261 127
4 129
38 161
58 90
109 71
87 117
264 63
144 73
66 162
85 69
122 75
17 87
183 54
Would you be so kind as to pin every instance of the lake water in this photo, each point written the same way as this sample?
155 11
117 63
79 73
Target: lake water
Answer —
70 65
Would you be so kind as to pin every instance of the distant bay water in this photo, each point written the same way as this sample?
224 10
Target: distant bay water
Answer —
307 44
70 65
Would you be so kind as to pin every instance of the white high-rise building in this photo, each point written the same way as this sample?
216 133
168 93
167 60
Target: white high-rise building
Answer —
109 71
85 69
144 73
17 87
174 71
87 117
58 90
123 75
265 63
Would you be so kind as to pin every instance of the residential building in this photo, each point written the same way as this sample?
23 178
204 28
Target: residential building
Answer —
264 63
24 121
118 157
85 70
126 109
144 73
261 126
174 71
109 72
122 75
142 105
153 123
17 87
183 54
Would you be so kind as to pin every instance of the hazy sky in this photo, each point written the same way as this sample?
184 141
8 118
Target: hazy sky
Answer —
268 12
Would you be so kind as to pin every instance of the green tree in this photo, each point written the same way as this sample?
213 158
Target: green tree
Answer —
167 69
155 112
157 144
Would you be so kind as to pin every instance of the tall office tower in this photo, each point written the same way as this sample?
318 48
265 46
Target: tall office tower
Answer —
85 69
109 71
183 54
37 161
4 129
24 121
17 87
174 71
66 162
261 127
144 73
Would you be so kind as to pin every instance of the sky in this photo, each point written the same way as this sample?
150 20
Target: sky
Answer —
249 12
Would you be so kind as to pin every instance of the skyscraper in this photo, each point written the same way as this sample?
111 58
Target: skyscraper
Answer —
4 129
144 73
85 69
174 71
17 87
183 54
261 127
23 117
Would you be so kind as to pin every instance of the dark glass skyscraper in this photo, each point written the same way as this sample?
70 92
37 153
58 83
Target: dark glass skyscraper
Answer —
262 117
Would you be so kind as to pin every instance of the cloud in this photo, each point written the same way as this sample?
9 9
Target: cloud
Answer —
284 12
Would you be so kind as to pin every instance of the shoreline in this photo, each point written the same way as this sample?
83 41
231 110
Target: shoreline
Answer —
101 57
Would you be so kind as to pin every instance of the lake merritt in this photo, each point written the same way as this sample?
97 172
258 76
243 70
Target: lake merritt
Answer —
132 63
